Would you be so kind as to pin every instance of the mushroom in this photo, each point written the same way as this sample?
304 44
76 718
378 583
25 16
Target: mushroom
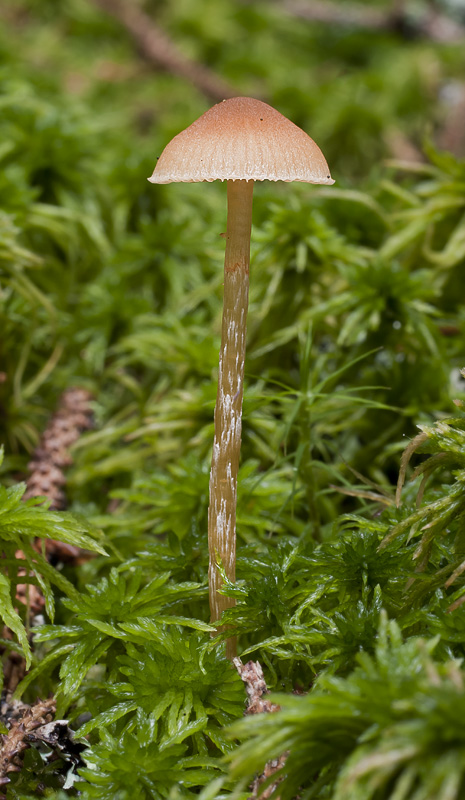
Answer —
240 141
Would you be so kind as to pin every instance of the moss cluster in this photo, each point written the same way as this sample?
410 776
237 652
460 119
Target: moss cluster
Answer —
356 329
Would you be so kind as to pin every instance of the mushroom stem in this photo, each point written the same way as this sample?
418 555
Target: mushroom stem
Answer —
228 410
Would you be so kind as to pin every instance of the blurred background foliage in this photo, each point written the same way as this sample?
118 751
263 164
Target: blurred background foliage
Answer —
355 337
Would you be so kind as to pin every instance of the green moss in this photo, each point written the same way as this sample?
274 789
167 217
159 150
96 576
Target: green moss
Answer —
355 344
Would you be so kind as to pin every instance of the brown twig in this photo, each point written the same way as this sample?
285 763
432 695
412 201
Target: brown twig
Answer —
14 664
21 720
452 135
256 688
430 25
400 146
158 49
34 726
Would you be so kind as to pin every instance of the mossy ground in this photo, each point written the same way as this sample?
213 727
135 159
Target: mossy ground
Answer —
355 338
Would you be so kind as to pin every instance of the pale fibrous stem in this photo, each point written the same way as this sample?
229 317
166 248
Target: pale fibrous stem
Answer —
228 409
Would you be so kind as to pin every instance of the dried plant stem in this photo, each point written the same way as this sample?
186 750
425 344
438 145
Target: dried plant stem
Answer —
258 703
157 48
228 410
24 720
430 23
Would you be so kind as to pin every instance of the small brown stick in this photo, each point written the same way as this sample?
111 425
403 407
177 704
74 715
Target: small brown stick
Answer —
431 25
21 720
28 593
14 665
159 50
452 135
400 146
256 688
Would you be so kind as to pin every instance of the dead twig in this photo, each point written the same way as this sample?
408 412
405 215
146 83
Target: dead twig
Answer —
14 664
158 49
256 688
33 725
400 146
430 24
452 135
21 720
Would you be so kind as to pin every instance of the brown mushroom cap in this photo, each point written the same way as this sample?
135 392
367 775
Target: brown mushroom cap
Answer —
242 139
